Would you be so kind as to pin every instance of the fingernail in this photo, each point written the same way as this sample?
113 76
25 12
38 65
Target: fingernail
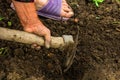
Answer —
33 46
47 46
38 48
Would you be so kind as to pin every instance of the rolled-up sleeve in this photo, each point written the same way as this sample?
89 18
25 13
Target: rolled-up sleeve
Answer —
25 0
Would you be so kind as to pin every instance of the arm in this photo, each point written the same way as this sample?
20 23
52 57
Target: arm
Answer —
26 12
29 19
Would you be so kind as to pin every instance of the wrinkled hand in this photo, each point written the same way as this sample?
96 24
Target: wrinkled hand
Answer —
38 28
30 21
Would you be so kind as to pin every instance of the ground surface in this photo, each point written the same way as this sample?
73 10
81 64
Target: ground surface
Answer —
97 53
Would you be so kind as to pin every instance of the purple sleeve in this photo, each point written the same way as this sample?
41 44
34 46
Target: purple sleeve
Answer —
25 0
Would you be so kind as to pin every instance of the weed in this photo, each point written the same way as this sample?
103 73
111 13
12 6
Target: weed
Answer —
9 23
96 2
1 18
3 51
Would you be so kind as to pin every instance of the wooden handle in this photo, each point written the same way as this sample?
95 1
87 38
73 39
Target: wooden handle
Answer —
29 38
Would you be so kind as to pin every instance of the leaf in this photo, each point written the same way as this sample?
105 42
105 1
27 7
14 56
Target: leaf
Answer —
1 18
9 23
3 51
96 2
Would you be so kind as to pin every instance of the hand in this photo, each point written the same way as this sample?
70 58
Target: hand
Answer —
30 21
38 28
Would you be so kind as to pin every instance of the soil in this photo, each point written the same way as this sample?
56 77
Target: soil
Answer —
97 52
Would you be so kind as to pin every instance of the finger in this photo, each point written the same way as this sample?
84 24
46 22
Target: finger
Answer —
47 40
33 46
38 48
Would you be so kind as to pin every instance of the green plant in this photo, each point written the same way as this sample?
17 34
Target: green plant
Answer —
3 51
1 18
9 23
96 2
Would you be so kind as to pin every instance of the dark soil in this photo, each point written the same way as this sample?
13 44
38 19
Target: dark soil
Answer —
97 53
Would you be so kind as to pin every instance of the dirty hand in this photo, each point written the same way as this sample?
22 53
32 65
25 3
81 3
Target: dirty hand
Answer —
38 28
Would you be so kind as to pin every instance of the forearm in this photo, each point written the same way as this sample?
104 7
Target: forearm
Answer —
26 12
29 19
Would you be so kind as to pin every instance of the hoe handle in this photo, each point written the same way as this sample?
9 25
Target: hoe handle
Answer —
29 38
